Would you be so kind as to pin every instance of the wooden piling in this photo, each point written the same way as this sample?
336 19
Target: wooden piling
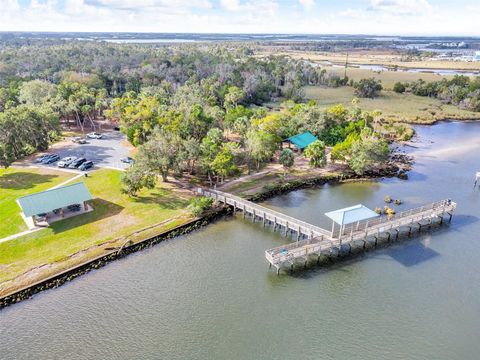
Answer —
320 240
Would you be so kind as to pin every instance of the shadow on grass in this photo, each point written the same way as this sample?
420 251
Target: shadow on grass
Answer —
102 209
164 198
24 180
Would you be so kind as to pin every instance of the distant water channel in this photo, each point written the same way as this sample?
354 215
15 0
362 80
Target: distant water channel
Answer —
210 295
442 72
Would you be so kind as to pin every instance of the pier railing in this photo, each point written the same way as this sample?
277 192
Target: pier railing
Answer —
412 215
320 240
292 251
302 250
262 211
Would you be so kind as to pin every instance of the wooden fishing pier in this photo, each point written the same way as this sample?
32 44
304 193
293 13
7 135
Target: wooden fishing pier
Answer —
312 241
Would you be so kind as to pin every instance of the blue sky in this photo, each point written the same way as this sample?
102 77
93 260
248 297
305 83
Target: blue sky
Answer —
382 17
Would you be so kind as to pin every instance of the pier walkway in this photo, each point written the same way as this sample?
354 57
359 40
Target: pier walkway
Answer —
313 240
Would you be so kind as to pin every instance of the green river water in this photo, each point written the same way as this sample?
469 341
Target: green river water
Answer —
210 294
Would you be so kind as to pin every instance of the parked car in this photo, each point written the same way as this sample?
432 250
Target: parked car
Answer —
66 161
79 140
50 159
86 165
76 163
127 160
94 135
42 157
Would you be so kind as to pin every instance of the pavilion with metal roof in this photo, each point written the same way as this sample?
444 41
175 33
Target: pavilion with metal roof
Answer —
350 215
301 141
54 199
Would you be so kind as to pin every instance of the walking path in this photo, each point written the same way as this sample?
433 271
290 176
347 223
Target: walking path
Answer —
67 181
17 235
274 168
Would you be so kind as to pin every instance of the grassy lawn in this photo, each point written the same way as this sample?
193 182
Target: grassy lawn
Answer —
398 107
115 216
14 183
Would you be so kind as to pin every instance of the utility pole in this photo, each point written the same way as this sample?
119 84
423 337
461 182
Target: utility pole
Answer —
346 65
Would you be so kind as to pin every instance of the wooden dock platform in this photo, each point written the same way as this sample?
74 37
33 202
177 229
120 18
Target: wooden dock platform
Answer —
268 216
313 240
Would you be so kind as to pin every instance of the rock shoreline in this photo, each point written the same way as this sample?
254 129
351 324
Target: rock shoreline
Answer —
68 275
398 166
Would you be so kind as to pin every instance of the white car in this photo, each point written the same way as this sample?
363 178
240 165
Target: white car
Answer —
66 161
94 135
79 140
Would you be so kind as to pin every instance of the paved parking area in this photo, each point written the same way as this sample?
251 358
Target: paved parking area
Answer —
105 153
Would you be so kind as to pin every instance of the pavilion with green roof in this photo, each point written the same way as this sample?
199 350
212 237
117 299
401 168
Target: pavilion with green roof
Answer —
301 141
54 204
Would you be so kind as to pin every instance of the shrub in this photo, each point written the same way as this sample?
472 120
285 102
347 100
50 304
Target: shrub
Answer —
315 152
399 88
287 158
198 205
368 153
368 88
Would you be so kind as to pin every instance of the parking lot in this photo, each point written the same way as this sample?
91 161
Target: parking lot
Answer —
105 152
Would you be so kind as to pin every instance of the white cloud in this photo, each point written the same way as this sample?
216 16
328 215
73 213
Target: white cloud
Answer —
143 4
265 7
231 5
9 6
401 7
307 4
390 17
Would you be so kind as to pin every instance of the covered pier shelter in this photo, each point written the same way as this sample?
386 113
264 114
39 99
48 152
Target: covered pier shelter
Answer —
352 215
55 204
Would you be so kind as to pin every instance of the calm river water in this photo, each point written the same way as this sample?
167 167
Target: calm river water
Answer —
210 295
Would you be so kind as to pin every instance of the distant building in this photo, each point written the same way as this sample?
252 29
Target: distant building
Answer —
477 56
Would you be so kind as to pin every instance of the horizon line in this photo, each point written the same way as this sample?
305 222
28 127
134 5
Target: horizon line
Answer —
239 33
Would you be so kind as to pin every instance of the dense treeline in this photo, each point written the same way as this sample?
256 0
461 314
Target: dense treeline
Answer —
188 138
78 80
122 68
462 91
25 129
189 109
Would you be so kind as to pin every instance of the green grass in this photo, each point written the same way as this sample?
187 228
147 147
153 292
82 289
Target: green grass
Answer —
388 78
406 108
15 183
115 215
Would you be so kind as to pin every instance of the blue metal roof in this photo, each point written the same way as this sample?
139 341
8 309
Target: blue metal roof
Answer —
302 140
351 214
46 201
